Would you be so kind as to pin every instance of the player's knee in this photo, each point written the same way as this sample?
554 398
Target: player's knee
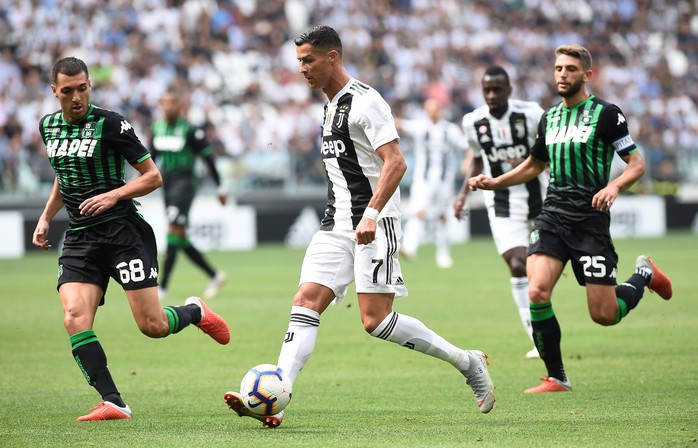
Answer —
603 316
69 318
154 328
538 294
370 324
517 267
304 300
76 320
516 260
372 321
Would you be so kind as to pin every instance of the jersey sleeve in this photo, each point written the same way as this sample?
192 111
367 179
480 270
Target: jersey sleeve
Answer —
539 150
470 135
42 126
377 122
151 145
456 137
196 139
409 127
613 129
121 137
534 114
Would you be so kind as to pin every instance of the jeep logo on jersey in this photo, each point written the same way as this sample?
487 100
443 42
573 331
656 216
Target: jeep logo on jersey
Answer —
71 147
572 133
507 153
333 148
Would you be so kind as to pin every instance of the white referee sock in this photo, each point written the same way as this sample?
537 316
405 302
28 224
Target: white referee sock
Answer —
411 333
299 342
441 237
519 289
412 237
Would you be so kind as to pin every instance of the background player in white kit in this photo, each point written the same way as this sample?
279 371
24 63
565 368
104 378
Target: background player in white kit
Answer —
359 237
435 142
501 134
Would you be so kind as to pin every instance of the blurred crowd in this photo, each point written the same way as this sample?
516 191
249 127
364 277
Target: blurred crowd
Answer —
235 61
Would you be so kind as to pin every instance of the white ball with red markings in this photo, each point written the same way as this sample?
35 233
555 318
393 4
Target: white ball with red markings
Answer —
265 389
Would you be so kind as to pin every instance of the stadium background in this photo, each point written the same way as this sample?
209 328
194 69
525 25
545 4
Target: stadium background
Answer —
235 61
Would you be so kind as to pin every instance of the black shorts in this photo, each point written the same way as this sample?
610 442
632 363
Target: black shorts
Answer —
123 249
178 198
593 256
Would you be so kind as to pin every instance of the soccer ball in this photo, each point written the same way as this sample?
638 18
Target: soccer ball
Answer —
265 389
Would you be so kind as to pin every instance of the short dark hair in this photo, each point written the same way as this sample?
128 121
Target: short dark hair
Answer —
321 37
497 70
69 66
576 51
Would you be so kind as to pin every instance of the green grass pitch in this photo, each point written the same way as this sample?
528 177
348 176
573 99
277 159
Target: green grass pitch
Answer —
635 384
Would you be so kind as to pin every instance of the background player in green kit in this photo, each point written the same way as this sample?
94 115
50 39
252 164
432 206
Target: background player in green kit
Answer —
87 148
578 139
177 143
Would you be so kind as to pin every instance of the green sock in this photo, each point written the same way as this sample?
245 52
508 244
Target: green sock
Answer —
181 317
92 361
547 337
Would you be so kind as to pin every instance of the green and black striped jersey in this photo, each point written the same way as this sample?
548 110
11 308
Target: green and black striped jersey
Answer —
88 158
176 147
579 142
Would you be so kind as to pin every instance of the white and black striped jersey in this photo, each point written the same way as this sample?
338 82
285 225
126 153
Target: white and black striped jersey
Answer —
357 122
499 141
435 147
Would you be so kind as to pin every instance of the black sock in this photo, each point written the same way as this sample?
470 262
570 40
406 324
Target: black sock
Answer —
547 337
170 258
92 360
181 316
197 258
629 294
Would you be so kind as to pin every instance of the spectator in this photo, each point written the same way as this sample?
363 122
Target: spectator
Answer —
647 55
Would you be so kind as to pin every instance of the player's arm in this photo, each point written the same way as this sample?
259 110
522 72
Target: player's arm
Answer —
535 164
198 141
604 199
526 171
151 146
53 205
148 181
394 168
210 162
613 127
472 166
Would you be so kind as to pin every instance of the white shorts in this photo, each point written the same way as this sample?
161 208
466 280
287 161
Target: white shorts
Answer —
434 198
333 259
509 233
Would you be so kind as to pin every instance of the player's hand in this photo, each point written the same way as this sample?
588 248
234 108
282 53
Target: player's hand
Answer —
365 231
458 207
604 199
480 181
222 194
98 204
40 233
